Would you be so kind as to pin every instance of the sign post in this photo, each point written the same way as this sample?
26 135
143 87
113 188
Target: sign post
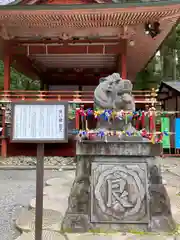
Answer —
39 123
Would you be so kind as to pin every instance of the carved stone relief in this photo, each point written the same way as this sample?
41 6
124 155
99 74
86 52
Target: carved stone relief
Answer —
119 193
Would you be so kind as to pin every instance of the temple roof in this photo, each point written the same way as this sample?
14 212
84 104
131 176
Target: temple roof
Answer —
72 2
166 88
33 22
31 2
81 20
175 85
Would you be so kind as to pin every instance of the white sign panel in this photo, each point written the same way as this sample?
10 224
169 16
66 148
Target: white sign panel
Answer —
39 123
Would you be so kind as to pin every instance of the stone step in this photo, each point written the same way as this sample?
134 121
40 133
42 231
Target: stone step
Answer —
91 236
57 192
151 237
68 167
49 235
118 236
62 181
46 235
51 220
59 205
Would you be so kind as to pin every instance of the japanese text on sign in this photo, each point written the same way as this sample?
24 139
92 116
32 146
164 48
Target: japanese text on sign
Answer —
39 122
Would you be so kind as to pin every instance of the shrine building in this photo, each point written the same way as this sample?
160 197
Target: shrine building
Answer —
69 44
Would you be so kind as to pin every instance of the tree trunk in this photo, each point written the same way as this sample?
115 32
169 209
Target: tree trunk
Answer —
174 77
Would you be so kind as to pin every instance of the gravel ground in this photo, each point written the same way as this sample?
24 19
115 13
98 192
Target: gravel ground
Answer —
17 188
31 161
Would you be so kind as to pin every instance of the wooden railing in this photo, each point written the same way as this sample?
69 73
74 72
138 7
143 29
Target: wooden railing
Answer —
70 96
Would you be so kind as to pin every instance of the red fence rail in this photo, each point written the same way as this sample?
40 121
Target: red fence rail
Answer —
70 96
82 97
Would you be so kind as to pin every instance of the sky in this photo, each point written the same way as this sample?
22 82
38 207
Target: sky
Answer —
5 2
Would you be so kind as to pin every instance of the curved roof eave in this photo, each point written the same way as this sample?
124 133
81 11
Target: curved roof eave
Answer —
9 2
15 5
17 2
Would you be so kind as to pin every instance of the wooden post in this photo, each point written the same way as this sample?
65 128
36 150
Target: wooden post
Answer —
4 141
124 60
39 191
46 88
7 66
6 88
123 66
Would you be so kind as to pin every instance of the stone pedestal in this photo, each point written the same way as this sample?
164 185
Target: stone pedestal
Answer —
118 186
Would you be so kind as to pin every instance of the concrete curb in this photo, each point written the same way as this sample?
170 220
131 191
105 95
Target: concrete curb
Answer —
60 168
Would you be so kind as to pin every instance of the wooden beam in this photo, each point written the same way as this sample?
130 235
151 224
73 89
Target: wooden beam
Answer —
122 59
20 62
72 71
71 41
25 66
73 79
7 69
67 49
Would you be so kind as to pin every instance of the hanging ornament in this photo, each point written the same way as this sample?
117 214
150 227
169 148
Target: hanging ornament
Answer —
89 112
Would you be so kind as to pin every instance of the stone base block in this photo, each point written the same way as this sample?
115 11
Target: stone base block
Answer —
118 191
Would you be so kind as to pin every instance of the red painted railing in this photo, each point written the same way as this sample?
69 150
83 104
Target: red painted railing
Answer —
144 97
70 96
82 97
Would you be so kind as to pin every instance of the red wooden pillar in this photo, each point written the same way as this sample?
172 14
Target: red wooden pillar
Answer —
6 88
124 60
7 65
124 66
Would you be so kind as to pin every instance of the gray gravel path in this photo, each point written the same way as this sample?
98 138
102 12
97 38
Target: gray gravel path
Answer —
17 188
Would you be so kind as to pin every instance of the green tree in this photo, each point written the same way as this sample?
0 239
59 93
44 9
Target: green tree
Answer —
18 80
149 77
166 66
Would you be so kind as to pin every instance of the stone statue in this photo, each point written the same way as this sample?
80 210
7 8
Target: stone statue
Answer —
118 183
116 94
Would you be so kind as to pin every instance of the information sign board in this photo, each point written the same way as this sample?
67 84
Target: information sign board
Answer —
39 122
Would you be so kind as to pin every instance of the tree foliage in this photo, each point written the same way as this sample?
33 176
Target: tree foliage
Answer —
18 80
164 66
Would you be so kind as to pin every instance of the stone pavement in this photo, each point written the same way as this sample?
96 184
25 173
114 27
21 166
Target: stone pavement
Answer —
56 194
